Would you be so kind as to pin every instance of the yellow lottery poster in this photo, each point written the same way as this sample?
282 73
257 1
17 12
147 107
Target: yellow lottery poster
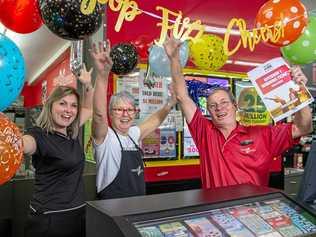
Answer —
251 110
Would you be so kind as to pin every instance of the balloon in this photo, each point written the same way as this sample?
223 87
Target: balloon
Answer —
124 56
142 44
21 16
64 18
292 13
11 149
208 52
12 72
159 61
303 50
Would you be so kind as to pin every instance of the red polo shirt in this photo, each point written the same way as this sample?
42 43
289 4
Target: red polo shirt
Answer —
246 155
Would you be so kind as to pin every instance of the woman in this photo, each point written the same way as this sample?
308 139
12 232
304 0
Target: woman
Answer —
57 207
120 171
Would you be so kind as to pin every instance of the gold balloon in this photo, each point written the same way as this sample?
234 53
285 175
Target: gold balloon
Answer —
207 52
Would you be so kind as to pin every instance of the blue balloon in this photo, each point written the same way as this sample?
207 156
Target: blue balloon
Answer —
159 62
12 72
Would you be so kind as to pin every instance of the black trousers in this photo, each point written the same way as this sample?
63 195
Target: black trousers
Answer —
61 224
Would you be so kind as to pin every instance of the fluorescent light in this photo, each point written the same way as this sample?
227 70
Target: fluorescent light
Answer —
243 63
220 30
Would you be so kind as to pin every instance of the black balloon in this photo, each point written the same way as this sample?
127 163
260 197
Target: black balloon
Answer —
64 18
124 58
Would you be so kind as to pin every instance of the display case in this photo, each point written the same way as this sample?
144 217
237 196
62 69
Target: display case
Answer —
239 211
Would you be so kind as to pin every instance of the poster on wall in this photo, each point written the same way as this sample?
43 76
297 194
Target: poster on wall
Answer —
251 110
129 83
148 99
152 98
87 139
168 138
189 147
151 145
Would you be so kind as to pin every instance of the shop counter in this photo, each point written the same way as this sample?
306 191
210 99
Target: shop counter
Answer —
241 210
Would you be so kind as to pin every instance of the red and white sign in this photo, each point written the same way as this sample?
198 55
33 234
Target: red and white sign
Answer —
279 93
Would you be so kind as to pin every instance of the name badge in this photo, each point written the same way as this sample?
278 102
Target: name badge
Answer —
246 142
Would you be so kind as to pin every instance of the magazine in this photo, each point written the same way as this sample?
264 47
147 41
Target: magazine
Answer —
280 94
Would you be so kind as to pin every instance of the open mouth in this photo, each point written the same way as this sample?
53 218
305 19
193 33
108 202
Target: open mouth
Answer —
124 121
221 115
66 118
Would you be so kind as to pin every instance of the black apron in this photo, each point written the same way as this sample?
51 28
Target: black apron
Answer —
130 178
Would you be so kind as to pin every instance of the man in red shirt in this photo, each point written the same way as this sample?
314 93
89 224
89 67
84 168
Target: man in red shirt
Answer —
230 153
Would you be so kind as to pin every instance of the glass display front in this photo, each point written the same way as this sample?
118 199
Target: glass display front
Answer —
277 217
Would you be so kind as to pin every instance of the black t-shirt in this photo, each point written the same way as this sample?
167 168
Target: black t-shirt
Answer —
59 164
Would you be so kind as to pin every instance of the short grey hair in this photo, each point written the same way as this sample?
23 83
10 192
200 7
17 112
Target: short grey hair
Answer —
124 96
227 90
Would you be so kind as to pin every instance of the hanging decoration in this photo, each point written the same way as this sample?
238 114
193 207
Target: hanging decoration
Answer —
64 19
76 58
21 16
142 45
11 149
124 58
184 29
303 50
12 72
159 61
208 53
291 14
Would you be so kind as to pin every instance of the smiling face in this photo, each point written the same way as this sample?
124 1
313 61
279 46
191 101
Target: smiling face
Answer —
64 112
122 116
222 109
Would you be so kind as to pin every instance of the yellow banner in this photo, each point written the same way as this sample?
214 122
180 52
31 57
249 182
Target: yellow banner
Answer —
183 28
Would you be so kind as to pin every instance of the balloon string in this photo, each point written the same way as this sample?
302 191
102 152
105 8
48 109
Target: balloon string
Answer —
172 21
152 14
5 31
147 81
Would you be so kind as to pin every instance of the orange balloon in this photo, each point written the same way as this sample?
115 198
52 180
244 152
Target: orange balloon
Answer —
293 15
11 149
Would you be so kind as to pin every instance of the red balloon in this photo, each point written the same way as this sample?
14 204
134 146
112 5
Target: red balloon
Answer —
293 15
142 44
11 149
21 16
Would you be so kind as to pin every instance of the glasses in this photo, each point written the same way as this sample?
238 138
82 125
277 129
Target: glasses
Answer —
215 106
129 111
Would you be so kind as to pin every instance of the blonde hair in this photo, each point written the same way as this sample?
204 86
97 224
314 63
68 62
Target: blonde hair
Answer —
45 119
